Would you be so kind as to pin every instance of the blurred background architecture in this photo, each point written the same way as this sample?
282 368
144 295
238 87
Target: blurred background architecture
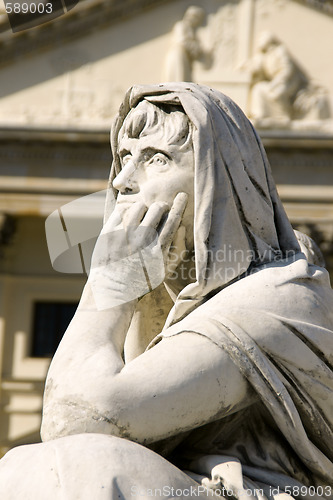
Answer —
60 86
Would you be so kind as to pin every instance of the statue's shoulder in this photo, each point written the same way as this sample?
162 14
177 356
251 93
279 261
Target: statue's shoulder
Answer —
291 289
280 287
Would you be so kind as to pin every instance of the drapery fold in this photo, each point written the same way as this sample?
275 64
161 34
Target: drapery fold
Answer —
286 354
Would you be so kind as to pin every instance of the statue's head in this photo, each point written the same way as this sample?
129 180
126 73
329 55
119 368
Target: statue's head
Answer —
156 157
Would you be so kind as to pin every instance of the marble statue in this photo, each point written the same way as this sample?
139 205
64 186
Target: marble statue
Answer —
281 90
185 47
233 397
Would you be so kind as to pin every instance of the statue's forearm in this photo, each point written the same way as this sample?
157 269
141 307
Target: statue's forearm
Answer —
110 325
91 350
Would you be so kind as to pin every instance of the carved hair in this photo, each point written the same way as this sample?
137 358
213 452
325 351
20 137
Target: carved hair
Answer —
146 118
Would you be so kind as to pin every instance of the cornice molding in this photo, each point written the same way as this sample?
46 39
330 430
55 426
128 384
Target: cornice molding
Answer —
304 139
271 138
54 134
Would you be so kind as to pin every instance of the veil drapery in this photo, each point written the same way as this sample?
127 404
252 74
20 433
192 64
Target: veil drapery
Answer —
239 220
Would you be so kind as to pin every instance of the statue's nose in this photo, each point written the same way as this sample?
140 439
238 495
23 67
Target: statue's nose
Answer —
125 179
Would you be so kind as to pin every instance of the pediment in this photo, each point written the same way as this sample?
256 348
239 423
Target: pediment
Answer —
90 15
86 17
73 71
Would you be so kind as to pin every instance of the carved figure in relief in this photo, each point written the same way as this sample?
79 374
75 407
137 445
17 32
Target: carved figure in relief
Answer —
185 47
234 396
281 90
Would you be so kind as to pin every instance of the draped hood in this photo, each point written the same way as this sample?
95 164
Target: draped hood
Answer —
239 221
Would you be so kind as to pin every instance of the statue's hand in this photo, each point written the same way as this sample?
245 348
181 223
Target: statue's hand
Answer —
131 255
172 236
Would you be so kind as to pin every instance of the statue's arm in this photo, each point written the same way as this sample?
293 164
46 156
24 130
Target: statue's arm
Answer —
181 383
256 67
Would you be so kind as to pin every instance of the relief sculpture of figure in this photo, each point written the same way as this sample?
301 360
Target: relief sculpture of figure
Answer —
281 90
185 47
233 397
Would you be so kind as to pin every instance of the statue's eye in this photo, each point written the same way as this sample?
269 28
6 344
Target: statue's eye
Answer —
126 159
159 160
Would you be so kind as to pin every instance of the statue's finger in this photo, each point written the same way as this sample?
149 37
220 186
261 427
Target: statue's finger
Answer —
134 214
173 221
113 221
155 214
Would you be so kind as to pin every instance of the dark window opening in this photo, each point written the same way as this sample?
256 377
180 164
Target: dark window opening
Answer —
50 321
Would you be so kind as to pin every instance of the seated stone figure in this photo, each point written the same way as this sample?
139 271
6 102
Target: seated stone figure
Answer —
234 396
281 90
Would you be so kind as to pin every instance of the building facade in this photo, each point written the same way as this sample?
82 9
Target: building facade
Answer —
61 84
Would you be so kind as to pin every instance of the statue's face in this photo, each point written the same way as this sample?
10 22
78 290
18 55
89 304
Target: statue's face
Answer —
152 171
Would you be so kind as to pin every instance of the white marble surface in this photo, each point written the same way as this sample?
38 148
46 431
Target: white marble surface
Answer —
238 382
